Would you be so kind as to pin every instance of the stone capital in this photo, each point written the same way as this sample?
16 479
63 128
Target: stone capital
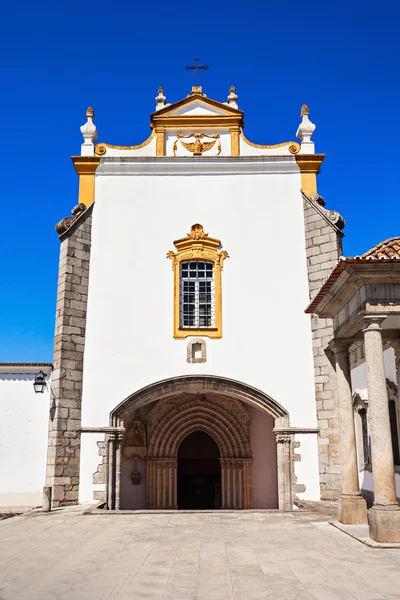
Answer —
340 345
372 322
283 438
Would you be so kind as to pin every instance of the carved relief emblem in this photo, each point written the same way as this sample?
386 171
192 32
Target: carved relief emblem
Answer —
197 147
135 440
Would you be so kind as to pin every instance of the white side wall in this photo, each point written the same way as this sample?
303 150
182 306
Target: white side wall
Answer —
359 374
23 440
256 210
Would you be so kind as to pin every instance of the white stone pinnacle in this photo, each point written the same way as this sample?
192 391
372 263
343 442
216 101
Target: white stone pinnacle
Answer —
89 134
232 98
305 131
161 100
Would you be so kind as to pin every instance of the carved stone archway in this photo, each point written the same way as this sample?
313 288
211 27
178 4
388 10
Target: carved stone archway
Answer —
200 403
227 423
199 384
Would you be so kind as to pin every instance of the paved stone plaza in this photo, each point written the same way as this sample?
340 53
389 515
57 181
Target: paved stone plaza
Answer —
66 555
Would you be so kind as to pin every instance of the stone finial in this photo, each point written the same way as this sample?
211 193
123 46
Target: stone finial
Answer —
161 100
89 134
233 97
305 131
304 110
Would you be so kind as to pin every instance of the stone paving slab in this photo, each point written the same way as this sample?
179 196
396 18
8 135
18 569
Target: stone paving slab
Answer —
65 555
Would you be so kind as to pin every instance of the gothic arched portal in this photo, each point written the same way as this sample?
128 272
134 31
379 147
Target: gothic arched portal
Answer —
204 406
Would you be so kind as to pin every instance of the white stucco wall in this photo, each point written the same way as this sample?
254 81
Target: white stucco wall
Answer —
254 206
23 440
359 374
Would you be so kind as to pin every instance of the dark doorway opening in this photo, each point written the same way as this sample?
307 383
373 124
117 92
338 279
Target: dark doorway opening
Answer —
199 473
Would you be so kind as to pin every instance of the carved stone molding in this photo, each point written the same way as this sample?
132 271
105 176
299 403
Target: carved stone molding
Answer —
283 438
63 225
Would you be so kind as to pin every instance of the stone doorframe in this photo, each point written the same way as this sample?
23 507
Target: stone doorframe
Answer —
200 415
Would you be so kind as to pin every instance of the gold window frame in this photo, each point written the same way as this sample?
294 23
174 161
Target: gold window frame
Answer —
198 246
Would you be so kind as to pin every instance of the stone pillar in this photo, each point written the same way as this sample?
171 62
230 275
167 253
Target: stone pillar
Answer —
46 499
352 507
111 471
223 483
323 249
284 464
118 452
248 484
63 454
384 517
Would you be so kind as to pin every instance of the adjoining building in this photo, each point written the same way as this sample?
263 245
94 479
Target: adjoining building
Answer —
24 417
362 296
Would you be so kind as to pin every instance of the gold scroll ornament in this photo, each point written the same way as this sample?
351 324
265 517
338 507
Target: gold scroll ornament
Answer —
197 147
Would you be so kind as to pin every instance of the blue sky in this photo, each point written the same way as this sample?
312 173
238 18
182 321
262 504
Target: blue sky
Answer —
340 58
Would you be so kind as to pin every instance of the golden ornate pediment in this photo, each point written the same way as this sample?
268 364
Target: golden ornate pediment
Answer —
211 113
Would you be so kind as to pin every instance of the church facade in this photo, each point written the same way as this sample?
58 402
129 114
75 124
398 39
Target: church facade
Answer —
188 372
185 369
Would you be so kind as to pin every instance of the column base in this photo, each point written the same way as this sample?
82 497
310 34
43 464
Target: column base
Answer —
384 523
352 510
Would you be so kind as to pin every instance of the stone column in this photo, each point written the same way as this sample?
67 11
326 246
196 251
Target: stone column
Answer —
223 483
352 507
284 465
118 452
110 472
384 517
248 484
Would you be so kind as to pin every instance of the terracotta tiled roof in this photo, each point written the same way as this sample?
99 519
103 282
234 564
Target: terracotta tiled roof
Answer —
388 249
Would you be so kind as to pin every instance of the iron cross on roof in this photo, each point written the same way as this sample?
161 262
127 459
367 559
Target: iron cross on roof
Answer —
196 67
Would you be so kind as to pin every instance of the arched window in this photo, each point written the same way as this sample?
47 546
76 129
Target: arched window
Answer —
197 265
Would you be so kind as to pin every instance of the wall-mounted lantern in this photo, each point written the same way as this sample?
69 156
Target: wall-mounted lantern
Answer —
39 383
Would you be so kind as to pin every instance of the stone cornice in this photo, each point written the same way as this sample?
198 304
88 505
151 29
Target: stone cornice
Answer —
295 430
171 165
347 278
331 217
23 368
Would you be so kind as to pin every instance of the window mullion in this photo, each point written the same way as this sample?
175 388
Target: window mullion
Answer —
197 305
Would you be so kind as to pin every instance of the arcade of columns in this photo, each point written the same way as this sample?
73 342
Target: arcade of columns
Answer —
384 516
